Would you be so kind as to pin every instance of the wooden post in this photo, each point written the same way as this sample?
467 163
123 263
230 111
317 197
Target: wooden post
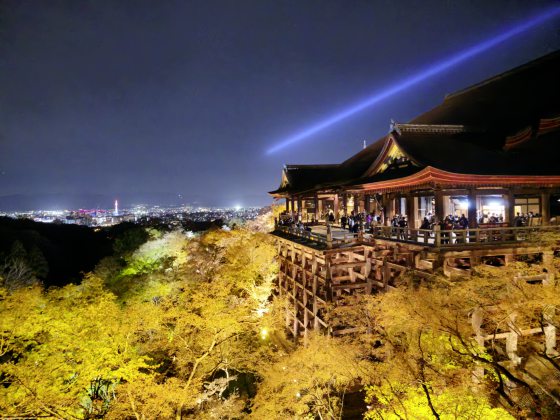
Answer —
316 204
510 211
367 270
472 211
550 340
437 233
476 322
439 208
304 299
411 211
511 341
545 208
397 204
361 202
314 289
336 211
367 203
390 206
295 306
386 274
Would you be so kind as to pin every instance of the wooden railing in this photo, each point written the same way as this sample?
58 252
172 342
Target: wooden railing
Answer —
461 237
302 233
433 238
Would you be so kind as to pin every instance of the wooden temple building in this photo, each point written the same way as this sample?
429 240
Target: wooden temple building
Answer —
490 149
493 148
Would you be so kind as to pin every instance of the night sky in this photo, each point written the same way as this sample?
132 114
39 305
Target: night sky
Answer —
179 101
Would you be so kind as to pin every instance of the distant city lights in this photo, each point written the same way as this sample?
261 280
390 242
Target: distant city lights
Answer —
138 213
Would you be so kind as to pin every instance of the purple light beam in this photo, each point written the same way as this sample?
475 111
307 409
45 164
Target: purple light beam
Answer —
421 76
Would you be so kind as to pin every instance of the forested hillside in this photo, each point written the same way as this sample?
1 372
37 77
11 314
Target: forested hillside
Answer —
180 325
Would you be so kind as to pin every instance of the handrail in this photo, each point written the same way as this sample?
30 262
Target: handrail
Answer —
433 238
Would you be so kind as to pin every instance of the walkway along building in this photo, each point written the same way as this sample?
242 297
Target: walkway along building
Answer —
490 149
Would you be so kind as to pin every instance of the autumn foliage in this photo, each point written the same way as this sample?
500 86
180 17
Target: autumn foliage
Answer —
176 325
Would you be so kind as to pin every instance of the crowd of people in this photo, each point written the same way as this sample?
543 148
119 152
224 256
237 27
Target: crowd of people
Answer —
375 223
369 221
293 220
526 219
493 218
358 221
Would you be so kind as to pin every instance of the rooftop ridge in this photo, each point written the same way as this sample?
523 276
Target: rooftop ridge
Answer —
310 166
429 128
507 73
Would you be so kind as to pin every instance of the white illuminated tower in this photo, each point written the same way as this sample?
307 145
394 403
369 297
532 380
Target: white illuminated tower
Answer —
116 208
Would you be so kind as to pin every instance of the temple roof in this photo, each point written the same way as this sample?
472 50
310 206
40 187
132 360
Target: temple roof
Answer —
506 125
505 102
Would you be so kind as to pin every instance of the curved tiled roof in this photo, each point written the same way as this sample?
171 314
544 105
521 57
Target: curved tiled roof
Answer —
487 112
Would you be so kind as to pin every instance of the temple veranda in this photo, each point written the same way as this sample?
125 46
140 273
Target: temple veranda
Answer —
473 181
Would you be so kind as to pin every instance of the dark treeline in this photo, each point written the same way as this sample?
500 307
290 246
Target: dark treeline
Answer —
58 254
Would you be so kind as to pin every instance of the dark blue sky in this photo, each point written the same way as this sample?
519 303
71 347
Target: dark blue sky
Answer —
147 100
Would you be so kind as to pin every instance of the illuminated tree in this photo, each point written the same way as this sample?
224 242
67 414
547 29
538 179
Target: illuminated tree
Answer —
311 381
61 348
207 332
430 361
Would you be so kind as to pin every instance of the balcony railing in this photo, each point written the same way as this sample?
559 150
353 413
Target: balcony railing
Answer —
433 238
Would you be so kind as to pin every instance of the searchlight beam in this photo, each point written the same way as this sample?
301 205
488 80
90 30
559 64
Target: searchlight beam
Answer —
421 76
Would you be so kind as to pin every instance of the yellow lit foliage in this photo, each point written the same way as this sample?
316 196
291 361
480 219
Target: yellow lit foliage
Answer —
56 344
310 381
428 350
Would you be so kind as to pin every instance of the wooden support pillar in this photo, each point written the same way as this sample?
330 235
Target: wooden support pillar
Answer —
295 326
550 331
510 210
511 341
361 203
390 208
384 211
321 207
545 208
345 204
472 210
386 275
397 204
439 207
300 206
550 340
314 290
336 210
476 322
304 299
316 204
367 271
411 211
548 260
293 200
356 201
